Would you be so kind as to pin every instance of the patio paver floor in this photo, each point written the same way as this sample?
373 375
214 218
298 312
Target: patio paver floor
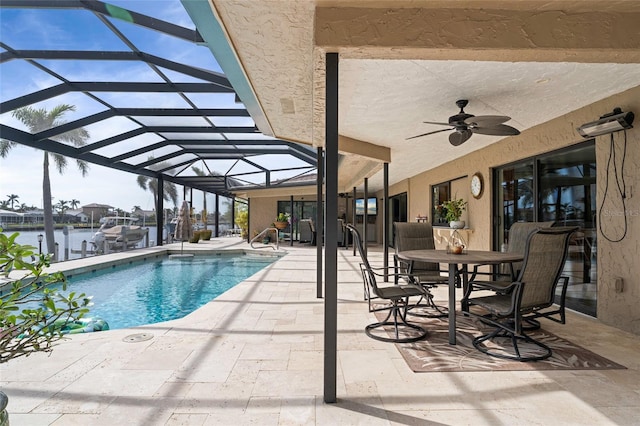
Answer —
255 356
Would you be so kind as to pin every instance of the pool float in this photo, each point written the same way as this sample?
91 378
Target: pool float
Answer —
82 325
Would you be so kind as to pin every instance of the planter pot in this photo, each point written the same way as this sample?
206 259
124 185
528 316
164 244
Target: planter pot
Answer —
205 234
457 224
196 237
281 225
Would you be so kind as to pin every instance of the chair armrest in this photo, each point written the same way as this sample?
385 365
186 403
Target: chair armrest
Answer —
501 287
390 272
476 272
563 281
408 264
401 263
497 286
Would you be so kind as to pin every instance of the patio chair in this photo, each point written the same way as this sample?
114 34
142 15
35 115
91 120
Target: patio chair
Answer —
392 298
314 234
518 233
341 232
545 255
418 236
304 227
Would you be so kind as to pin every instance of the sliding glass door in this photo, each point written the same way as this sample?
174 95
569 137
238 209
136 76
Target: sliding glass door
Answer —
558 187
301 210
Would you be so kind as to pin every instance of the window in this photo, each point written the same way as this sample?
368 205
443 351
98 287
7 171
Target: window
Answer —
440 194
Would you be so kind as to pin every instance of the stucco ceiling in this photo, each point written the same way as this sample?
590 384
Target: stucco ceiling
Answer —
386 93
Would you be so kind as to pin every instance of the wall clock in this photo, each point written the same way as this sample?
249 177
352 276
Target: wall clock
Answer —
477 185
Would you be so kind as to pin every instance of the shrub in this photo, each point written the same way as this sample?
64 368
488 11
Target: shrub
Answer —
33 312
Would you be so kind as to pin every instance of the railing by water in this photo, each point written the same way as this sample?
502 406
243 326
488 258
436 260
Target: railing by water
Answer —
263 236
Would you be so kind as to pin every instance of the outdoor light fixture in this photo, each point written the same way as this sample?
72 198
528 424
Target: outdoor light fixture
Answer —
608 123
40 238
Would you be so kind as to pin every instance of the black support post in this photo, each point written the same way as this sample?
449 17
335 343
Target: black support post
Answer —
217 219
291 225
355 194
365 221
385 223
160 212
319 220
331 232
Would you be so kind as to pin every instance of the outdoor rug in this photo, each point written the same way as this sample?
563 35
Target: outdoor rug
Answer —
434 353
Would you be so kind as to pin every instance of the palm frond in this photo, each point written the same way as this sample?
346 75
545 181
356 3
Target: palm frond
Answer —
61 162
5 147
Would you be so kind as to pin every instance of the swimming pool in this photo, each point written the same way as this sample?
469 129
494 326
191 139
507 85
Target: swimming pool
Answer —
152 291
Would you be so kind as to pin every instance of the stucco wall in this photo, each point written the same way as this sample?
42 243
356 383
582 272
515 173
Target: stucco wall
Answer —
615 259
263 210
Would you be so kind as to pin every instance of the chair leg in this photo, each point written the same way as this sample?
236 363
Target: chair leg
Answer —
543 351
413 331
419 308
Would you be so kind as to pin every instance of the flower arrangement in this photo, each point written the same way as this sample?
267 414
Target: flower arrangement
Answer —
452 210
283 217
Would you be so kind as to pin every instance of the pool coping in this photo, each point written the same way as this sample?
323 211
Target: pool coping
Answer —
97 263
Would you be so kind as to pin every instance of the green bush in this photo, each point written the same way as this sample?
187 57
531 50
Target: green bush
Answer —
242 220
31 307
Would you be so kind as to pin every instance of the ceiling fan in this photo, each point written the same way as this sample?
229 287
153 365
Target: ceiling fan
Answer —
466 125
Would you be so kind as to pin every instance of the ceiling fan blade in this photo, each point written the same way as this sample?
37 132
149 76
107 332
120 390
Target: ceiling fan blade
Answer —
487 120
497 130
433 122
430 133
459 137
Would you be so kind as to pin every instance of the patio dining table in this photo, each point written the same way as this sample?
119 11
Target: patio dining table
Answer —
470 257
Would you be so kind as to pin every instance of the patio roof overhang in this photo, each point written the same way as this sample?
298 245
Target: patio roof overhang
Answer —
153 112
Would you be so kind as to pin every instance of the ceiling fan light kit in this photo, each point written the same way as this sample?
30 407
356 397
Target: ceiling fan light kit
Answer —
465 125
608 123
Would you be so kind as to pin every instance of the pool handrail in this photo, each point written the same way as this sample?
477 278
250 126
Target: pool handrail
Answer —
263 234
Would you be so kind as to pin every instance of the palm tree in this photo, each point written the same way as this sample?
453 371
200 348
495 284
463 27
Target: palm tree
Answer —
4 204
38 120
12 199
62 207
170 191
74 203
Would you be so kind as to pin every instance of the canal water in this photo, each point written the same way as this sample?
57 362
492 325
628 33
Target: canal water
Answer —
76 236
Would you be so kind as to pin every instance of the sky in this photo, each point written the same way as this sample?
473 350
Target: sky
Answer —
21 174
21 170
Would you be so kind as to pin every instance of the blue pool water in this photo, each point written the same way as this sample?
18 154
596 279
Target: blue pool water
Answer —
161 290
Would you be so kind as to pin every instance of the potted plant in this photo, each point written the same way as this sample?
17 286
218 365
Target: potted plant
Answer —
454 209
282 220
242 220
32 312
